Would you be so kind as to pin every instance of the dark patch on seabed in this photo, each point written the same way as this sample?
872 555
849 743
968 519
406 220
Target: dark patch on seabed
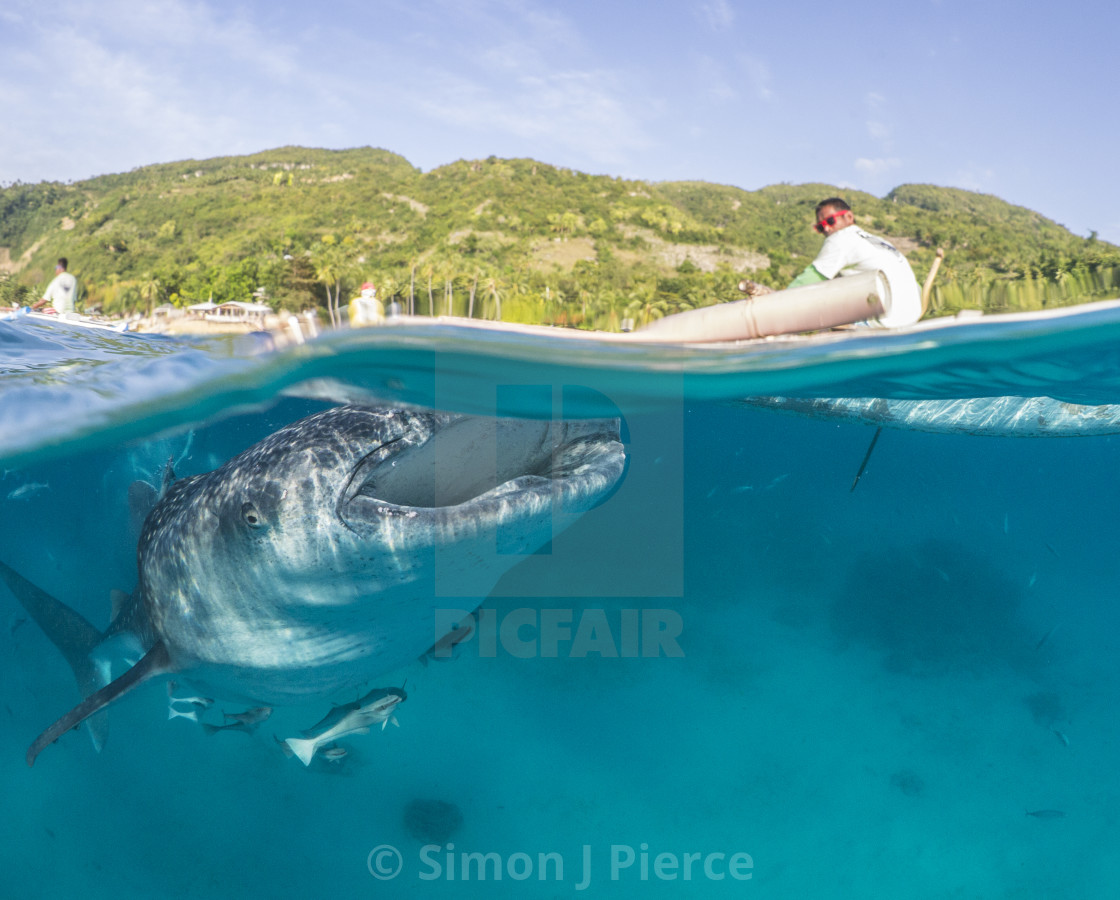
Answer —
937 606
432 821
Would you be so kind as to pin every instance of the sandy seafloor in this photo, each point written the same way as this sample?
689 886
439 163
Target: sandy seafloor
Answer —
850 749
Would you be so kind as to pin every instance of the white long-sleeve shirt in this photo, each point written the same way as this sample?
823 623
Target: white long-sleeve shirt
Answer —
853 251
62 291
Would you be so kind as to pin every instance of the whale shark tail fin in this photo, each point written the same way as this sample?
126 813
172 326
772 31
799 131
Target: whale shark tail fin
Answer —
155 662
72 634
304 748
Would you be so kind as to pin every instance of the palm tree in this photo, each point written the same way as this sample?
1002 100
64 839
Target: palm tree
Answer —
391 286
496 289
329 270
606 306
644 304
128 298
151 290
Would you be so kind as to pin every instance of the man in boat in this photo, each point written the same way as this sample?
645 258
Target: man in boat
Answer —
62 291
849 250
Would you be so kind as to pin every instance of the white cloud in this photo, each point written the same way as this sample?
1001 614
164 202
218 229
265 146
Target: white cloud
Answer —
758 76
877 128
713 81
576 110
877 166
537 83
973 177
718 14
148 81
120 84
880 131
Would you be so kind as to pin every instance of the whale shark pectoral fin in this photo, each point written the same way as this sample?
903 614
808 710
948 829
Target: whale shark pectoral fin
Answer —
156 662
68 630
72 634
76 639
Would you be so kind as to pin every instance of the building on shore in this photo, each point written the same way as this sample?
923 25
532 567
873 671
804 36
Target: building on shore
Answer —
232 311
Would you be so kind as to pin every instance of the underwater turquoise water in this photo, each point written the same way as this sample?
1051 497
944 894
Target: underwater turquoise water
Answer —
875 685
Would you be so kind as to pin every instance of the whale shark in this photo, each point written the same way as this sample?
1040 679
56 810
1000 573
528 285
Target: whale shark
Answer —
314 562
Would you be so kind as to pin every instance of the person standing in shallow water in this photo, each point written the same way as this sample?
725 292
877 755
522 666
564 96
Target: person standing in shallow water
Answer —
62 291
849 250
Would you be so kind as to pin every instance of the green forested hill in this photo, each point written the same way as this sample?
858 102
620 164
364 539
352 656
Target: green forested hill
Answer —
509 237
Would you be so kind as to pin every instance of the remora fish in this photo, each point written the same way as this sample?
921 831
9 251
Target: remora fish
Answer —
351 718
445 647
250 717
203 702
306 566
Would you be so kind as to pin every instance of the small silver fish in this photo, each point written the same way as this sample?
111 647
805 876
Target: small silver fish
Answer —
27 491
253 716
776 481
445 647
201 702
1046 813
334 754
1061 736
1042 640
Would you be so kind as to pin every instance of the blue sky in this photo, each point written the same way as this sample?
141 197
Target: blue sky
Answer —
1013 99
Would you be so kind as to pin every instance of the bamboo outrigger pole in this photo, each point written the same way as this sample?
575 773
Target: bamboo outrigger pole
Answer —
927 288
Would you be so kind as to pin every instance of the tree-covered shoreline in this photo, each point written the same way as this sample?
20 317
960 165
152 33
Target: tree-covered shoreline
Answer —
511 238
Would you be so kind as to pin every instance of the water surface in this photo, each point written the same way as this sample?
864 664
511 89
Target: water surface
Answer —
875 687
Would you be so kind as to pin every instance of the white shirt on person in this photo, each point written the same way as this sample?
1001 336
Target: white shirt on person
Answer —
62 291
853 251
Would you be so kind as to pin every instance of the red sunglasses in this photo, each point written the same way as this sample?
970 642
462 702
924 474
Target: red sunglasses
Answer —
830 221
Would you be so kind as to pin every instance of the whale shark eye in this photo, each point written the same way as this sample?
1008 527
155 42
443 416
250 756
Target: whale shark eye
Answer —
252 518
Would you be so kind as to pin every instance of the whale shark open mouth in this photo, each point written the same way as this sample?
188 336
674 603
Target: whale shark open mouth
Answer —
479 466
314 561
